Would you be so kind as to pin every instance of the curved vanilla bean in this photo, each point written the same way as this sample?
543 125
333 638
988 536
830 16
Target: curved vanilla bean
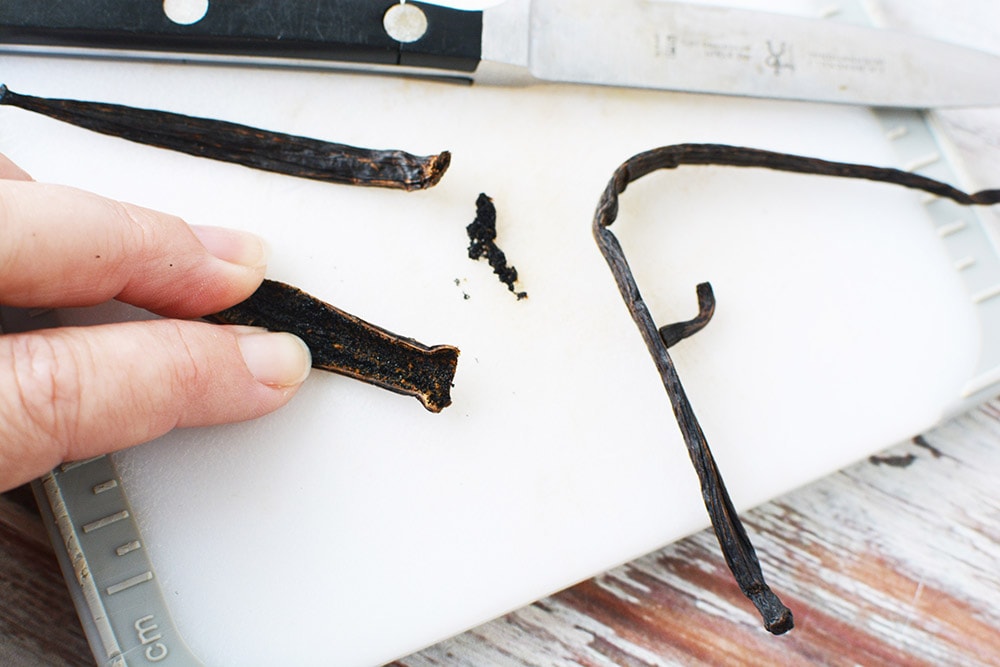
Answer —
251 147
678 331
344 344
736 547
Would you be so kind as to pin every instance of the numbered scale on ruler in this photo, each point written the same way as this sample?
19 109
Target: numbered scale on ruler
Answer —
109 573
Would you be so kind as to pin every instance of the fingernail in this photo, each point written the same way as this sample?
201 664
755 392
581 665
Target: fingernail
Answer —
232 245
275 359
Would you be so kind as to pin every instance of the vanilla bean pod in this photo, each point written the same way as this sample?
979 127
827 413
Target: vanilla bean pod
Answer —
240 144
736 547
344 344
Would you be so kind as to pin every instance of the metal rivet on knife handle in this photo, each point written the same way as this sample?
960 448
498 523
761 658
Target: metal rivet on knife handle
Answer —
251 147
347 345
736 547
185 12
405 23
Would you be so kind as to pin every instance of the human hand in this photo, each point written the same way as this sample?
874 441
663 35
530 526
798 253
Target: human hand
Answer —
73 393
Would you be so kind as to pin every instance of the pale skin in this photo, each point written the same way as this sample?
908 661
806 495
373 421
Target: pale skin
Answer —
72 393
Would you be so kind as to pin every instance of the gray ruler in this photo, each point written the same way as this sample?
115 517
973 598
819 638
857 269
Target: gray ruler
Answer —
110 576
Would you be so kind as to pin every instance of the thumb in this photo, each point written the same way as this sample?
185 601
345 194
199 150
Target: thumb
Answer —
75 393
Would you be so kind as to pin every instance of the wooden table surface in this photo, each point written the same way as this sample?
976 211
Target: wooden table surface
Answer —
892 561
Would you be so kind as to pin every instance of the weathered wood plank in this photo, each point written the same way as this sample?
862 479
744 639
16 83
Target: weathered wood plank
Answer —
38 624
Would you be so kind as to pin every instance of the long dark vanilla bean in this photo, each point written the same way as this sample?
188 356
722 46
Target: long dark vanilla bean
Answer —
249 146
345 344
736 546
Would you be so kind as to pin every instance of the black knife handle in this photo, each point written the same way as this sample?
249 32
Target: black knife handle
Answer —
348 31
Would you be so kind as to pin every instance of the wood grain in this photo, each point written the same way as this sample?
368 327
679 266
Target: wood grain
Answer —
38 624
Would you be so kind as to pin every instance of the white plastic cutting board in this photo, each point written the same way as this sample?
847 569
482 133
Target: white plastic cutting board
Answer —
352 526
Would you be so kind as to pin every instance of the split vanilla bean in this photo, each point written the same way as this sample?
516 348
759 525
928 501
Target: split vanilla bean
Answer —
240 144
736 547
344 344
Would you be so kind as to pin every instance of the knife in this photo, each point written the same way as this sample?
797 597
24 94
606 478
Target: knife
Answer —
631 43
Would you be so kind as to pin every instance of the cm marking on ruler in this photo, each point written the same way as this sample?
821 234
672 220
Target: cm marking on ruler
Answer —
113 581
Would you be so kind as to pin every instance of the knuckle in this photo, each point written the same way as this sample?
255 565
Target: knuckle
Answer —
134 227
46 381
176 384
144 232
185 371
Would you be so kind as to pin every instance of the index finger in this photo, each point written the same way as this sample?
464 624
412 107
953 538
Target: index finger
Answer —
60 246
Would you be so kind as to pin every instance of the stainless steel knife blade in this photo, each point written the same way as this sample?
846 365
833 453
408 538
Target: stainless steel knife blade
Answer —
710 49
633 43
